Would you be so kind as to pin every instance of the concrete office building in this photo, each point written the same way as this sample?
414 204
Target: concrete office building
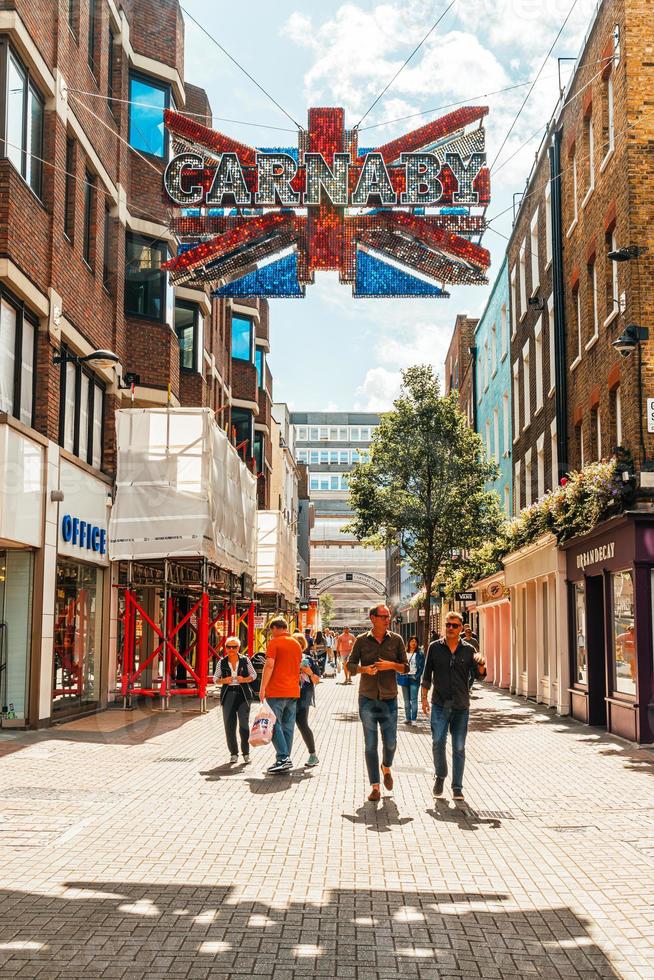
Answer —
330 443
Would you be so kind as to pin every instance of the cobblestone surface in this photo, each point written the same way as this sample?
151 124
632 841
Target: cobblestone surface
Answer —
128 849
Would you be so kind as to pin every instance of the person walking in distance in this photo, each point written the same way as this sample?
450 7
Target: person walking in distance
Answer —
344 646
309 677
280 687
235 673
450 662
410 683
379 656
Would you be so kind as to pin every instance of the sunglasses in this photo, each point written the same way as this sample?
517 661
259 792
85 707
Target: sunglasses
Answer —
232 646
381 616
452 626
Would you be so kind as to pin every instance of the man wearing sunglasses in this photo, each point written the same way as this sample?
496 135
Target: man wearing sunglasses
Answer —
450 663
379 656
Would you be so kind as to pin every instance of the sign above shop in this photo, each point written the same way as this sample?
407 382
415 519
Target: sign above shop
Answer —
84 534
400 219
594 556
465 596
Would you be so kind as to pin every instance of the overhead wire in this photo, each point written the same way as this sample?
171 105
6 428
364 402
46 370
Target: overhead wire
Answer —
528 95
403 66
240 66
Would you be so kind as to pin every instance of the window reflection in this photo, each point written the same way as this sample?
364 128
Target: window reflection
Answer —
581 656
624 634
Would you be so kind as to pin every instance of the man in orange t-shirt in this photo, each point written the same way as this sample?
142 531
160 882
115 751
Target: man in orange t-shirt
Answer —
344 645
280 687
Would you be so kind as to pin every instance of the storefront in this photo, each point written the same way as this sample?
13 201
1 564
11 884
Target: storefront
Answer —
82 594
21 532
493 609
535 576
611 579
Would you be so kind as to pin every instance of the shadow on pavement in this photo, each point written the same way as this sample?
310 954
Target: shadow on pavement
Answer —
488 720
379 818
465 817
146 931
281 783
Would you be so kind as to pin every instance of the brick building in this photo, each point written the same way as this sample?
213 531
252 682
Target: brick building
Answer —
83 234
460 365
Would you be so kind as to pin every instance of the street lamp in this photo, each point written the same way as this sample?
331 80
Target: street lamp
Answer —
627 253
101 359
630 339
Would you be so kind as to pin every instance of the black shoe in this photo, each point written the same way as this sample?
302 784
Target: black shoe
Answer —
457 794
439 783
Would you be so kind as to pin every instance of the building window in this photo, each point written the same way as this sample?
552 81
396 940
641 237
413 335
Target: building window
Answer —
528 497
576 305
496 435
106 248
486 360
111 54
595 434
145 282
17 349
526 378
540 466
625 660
589 138
506 418
608 121
70 11
503 336
23 120
580 443
81 413
243 431
258 451
611 280
324 456
343 456
538 349
516 399
89 218
187 317
507 500
514 304
260 362
523 279
545 620
548 222
593 313
93 27
574 191
301 433
516 487
147 101
616 399
552 344
242 338
533 246
302 456
554 452
493 350
314 434
70 191
488 440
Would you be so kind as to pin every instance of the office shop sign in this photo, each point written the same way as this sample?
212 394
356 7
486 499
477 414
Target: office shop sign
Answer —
84 535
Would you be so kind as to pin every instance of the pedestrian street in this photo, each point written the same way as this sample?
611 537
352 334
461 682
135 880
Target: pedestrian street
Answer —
129 848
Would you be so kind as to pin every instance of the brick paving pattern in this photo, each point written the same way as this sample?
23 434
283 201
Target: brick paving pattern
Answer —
130 850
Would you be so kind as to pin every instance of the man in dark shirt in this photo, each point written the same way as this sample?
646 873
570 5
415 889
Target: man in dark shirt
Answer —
449 664
378 656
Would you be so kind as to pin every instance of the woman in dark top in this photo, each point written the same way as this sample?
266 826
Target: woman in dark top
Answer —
319 652
234 674
410 683
309 677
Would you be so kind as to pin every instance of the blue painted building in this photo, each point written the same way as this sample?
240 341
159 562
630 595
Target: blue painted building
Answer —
493 386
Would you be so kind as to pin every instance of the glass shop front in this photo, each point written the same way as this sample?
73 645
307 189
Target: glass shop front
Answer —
610 595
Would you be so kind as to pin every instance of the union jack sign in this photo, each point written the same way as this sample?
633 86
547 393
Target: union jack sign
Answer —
401 219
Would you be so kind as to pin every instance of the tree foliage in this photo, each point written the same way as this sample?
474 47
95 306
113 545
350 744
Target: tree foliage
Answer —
326 607
424 483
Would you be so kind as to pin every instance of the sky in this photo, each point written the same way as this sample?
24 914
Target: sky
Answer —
330 352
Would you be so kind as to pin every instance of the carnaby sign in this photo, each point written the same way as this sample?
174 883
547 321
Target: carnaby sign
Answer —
594 556
403 218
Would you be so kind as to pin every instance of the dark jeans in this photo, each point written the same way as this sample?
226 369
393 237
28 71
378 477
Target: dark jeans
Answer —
236 708
410 695
302 722
282 737
375 713
456 720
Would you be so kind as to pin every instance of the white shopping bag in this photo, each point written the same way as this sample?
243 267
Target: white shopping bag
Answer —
262 726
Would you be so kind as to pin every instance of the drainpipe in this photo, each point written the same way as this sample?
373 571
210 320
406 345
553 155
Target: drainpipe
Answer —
472 351
558 285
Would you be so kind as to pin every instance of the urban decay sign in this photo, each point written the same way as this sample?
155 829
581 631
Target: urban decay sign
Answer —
401 219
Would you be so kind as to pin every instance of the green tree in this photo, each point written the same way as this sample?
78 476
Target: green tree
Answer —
424 483
326 606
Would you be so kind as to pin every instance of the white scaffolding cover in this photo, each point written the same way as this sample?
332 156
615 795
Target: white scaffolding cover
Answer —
276 554
182 490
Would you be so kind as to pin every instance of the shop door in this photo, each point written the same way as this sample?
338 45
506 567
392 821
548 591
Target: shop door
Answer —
15 635
596 638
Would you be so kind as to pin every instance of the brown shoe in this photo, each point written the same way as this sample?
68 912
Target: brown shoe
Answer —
375 795
388 780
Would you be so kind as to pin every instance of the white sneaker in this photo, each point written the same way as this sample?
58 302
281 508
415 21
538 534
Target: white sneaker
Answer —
233 759
246 759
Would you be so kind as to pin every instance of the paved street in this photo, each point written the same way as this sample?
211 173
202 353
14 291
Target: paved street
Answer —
128 849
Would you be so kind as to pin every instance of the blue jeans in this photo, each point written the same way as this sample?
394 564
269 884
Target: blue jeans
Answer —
282 737
410 694
383 713
456 719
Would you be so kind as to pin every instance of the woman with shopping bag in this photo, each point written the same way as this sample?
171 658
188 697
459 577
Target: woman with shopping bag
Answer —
410 683
234 674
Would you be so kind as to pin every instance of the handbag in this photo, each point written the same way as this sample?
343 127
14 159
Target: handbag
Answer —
262 726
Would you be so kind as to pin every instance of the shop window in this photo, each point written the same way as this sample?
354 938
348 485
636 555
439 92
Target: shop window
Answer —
82 413
625 661
242 338
186 327
16 583
545 617
23 112
242 431
145 282
17 349
77 635
580 651
147 101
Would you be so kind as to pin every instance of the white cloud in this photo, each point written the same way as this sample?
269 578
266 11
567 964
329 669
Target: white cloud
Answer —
380 387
